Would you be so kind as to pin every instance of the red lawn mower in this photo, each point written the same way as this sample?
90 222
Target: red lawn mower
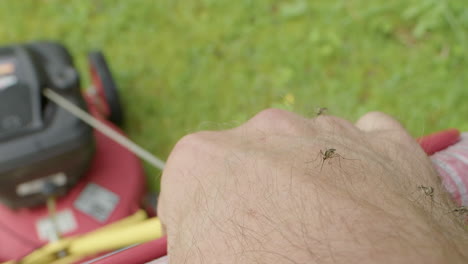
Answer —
47 154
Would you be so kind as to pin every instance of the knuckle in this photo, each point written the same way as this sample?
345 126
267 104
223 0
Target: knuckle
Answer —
187 145
271 114
277 120
193 140
199 145
332 123
375 115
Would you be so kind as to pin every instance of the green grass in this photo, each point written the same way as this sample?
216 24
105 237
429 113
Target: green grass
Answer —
184 66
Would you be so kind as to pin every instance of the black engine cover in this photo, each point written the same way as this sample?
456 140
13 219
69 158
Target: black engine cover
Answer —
40 143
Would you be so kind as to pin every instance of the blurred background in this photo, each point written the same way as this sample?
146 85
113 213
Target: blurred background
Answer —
184 66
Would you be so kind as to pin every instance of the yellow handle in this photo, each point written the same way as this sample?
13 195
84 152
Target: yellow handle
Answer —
105 241
66 260
48 253
139 216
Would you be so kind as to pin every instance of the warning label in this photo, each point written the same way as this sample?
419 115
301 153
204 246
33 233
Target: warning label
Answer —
7 81
65 221
7 66
7 74
97 202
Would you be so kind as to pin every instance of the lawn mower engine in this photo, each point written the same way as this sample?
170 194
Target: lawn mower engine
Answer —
47 152
41 144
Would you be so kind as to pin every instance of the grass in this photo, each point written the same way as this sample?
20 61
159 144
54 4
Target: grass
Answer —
189 65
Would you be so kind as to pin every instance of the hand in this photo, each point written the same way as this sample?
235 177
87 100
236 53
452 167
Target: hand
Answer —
263 193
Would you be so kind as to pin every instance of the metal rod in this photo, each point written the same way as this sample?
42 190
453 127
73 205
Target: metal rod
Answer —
109 254
103 128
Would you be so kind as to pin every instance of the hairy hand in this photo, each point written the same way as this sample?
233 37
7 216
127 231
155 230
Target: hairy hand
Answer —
268 191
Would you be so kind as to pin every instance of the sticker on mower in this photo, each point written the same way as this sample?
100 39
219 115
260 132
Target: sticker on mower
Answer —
7 66
7 74
66 223
7 81
97 202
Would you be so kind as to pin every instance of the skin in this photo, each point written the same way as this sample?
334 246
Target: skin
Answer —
256 194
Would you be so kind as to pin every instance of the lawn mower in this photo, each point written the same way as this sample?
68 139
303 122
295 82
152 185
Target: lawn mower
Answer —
63 184
70 193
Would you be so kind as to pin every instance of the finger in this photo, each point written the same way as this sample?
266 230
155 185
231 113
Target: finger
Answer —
378 121
383 125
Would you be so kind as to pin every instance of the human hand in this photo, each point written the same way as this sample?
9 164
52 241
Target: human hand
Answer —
262 193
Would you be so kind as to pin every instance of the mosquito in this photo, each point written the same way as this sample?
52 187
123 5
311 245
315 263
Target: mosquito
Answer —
321 111
428 191
329 154
462 210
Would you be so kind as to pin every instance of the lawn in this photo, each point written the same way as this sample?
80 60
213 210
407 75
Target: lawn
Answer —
191 65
